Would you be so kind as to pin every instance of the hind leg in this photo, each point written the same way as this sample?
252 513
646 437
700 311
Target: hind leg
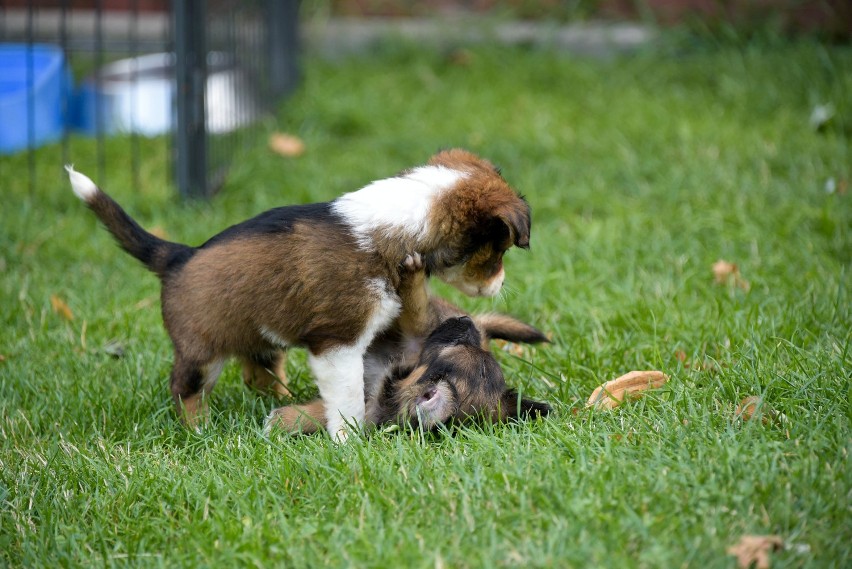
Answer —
265 373
191 383
305 419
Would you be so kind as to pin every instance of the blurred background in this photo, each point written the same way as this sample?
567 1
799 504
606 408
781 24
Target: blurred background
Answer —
198 74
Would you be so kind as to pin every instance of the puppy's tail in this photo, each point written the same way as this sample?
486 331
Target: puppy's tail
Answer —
503 327
157 254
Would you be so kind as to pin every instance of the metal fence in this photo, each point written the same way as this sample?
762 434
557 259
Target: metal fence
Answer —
186 77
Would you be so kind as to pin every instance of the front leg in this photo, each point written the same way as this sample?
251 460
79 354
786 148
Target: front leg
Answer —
339 373
414 295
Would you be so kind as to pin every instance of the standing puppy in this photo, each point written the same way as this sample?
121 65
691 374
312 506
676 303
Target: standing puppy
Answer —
324 276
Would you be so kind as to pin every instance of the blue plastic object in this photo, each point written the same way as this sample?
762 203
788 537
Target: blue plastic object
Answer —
34 81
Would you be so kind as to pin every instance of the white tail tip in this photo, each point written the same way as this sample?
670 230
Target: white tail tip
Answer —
84 188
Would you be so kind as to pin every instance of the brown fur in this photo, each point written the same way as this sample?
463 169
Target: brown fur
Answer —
296 276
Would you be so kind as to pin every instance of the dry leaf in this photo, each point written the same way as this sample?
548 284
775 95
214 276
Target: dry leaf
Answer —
722 271
2 358
61 308
753 407
286 145
681 357
755 549
158 231
612 393
726 272
747 407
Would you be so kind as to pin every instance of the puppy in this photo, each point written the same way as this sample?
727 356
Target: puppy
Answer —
454 378
324 276
393 356
401 344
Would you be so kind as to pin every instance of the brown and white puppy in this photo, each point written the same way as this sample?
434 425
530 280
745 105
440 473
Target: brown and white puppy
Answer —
324 276
453 379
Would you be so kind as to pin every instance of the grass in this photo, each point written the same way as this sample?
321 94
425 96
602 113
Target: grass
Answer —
642 171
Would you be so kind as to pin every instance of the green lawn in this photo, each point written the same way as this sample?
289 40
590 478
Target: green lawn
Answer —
642 171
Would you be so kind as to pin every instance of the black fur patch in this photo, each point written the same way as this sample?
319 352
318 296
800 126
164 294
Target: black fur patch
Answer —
277 220
176 257
453 331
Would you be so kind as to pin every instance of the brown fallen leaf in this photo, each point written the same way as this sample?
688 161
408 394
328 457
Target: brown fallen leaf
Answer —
725 272
61 308
612 393
755 549
754 407
2 358
747 407
286 145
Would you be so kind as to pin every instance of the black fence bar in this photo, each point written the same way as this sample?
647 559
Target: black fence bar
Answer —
228 64
283 45
190 77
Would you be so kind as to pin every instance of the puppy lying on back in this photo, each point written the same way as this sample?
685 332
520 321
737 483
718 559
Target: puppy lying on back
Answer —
453 378
435 350
403 341
324 276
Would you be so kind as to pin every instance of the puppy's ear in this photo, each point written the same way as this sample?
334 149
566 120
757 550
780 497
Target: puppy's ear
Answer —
516 407
505 327
516 217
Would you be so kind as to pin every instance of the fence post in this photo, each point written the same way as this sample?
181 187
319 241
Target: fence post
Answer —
283 44
190 83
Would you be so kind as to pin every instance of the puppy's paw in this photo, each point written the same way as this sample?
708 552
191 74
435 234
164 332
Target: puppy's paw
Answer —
413 262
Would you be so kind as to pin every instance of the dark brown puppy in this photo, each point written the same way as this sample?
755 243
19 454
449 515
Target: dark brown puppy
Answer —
454 378
323 276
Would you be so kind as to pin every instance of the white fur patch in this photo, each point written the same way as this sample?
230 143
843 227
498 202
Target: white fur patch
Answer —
387 309
272 337
340 377
396 203
340 372
84 188
211 373
454 276
492 287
